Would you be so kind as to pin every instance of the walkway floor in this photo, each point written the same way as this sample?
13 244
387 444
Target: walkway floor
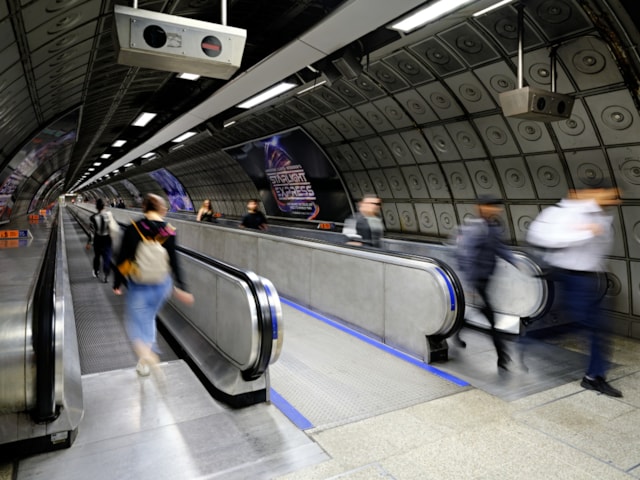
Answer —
562 432
565 432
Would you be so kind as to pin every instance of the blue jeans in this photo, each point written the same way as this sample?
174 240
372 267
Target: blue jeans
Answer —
582 293
143 304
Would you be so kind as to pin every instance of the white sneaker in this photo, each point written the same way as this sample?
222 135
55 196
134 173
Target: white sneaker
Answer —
143 369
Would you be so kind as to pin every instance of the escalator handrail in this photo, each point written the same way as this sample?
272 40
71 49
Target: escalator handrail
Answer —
43 327
260 297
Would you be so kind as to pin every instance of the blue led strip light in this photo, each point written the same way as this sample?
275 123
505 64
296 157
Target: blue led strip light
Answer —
452 297
290 412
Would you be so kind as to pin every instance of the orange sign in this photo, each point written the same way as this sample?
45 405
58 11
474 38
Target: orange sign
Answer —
326 226
14 234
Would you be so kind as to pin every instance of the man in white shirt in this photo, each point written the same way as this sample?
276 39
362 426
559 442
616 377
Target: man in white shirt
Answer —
578 234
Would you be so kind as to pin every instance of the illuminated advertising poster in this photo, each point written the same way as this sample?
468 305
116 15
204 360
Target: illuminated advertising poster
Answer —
43 188
55 140
179 201
294 177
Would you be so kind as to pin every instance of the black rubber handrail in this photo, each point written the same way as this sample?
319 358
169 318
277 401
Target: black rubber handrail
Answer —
43 327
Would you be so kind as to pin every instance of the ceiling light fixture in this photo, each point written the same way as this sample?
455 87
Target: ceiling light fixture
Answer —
97 164
312 87
150 154
267 94
143 119
105 155
183 137
188 76
118 143
431 12
492 7
228 124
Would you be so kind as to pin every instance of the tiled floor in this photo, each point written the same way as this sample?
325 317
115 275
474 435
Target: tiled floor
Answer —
564 432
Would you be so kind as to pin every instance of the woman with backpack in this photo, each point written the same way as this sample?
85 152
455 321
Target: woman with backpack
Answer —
147 261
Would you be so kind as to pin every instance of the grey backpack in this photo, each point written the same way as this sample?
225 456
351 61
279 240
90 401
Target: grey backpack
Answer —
151 264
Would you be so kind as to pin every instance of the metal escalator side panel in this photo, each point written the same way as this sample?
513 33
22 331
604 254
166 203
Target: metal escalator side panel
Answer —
541 286
454 320
277 320
224 312
265 326
68 379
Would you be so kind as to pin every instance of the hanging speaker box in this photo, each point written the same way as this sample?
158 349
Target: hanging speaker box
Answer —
177 44
536 104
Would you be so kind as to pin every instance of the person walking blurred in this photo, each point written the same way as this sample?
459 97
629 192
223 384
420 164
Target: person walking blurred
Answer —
254 218
479 244
100 238
577 234
365 227
205 212
145 297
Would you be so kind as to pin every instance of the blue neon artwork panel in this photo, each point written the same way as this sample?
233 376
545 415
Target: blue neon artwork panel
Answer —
177 195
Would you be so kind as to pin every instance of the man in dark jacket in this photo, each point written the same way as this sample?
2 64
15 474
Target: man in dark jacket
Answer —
365 227
479 244
100 238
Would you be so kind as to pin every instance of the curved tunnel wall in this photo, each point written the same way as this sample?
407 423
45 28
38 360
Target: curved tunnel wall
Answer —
422 127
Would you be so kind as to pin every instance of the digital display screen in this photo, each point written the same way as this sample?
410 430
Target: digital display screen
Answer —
294 177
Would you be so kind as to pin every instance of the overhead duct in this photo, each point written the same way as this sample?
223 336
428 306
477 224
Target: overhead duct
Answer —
177 44
534 103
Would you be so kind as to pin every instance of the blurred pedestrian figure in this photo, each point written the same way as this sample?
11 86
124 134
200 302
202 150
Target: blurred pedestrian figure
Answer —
365 227
254 218
577 235
479 244
146 297
205 213
120 203
100 237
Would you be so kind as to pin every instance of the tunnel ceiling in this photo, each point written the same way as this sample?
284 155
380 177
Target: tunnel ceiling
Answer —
58 55
421 120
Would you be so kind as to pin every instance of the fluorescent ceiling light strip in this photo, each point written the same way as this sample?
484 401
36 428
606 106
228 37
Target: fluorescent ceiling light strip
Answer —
105 155
147 155
189 76
228 124
143 119
119 143
429 13
183 137
267 94
312 87
492 7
